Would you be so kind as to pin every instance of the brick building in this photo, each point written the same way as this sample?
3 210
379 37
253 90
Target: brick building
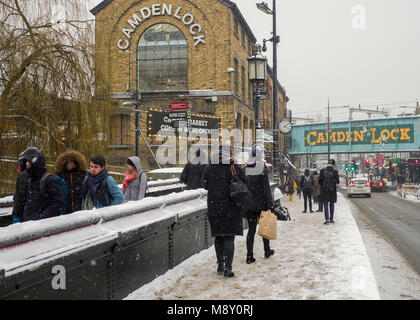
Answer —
188 51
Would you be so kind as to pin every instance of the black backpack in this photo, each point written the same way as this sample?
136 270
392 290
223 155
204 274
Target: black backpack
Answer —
328 184
307 183
239 192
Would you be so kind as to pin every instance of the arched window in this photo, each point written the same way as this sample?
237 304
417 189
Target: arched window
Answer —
162 59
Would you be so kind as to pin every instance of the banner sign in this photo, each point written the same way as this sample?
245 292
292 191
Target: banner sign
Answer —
165 123
386 134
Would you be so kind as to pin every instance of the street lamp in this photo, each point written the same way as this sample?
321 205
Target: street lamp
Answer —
275 40
136 104
257 71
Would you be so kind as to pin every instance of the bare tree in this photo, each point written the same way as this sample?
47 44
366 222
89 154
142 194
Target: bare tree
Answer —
47 77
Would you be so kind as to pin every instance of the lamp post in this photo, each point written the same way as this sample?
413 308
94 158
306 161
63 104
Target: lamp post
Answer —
136 124
257 70
275 40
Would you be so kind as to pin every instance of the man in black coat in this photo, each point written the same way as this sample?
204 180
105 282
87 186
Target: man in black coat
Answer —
192 173
307 185
261 200
38 205
21 193
224 216
72 167
328 181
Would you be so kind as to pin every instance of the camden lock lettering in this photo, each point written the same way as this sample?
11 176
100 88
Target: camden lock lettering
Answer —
161 10
373 135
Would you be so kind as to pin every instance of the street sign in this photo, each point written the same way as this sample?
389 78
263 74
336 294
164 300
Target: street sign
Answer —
181 105
177 116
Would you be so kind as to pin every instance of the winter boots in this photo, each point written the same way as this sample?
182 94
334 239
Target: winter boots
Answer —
250 259
268 253
228 274
220 268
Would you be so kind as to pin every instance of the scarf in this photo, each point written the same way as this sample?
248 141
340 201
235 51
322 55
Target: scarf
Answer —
92 184
129 178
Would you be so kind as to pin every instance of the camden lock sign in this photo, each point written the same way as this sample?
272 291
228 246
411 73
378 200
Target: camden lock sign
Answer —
164 9
360 136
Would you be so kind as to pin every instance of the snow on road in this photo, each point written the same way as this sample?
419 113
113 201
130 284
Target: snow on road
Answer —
311 261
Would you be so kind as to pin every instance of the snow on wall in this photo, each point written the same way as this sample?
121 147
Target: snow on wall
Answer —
32 242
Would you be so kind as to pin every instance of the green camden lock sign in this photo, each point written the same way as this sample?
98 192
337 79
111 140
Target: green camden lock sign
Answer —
361 135
357 136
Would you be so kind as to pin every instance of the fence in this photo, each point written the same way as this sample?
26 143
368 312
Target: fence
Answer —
106 253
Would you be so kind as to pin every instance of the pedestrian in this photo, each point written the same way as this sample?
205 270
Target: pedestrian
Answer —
135 181
299 190
317 190
72 167
46 202
328 180
307 185
224 216
290 190
21 193
100 189
193 171
261 200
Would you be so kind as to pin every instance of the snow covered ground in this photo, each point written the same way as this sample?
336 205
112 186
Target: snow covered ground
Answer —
408 197
311 261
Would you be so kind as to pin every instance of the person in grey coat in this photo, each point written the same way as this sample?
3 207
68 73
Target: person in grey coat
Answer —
135 181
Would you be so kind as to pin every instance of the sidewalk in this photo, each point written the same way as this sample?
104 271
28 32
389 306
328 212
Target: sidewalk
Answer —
311 261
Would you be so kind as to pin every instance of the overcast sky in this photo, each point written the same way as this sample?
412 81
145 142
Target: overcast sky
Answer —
330 49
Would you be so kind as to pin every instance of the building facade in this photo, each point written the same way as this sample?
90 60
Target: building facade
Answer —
184 54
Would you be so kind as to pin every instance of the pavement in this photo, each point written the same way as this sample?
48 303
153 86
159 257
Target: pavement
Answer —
312 261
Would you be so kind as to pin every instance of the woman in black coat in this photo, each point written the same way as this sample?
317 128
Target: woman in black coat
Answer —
261 200
22 182
41 205
71 166
192 173
224 216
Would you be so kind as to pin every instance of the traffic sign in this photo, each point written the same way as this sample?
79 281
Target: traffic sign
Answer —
181 105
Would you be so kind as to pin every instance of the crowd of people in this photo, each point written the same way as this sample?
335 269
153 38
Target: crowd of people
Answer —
320 188
83 185
76 185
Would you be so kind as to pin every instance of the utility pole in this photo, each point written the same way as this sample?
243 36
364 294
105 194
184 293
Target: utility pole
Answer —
329 130
276 40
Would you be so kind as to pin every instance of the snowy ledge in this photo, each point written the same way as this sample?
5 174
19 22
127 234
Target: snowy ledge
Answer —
31 230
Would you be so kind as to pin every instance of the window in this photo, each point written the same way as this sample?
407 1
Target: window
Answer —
235 26
120 129
235 75
243 38
162 59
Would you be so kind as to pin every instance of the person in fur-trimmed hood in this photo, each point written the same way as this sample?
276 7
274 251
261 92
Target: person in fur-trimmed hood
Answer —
72 167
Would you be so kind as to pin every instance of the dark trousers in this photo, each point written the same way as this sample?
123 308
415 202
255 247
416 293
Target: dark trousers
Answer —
225 248
307 197
252 228
329 216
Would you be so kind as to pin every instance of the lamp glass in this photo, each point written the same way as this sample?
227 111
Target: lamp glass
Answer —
257 68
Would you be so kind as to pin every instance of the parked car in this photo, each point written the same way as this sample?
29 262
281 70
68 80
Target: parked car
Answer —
377 184
359 187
